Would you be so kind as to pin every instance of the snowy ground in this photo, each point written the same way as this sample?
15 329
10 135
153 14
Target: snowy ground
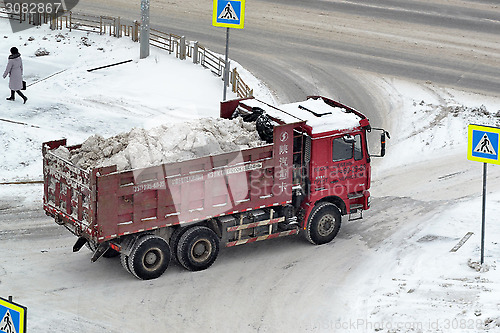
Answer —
391 272
66 101
418 284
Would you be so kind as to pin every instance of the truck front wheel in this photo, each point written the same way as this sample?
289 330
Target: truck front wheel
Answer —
323 224
198 248
149 258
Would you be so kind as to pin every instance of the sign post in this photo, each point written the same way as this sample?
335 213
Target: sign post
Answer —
13 317
483 215
228 14
226 66
144 36
483 147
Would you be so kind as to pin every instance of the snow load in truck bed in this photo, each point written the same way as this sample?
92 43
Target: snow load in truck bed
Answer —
167 143
317 114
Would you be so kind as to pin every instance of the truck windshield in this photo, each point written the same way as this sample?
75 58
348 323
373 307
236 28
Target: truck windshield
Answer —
343 150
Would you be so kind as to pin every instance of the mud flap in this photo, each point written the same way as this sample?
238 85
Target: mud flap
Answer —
101 249
79 244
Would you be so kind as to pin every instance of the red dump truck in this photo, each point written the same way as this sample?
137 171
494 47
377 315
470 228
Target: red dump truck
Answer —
314 169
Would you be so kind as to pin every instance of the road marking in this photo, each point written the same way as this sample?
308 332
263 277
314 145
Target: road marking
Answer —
462 242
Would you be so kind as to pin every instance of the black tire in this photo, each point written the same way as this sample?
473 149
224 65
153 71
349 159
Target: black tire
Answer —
198 248
124 262
323 223
174 240
264 128
149 258
110 253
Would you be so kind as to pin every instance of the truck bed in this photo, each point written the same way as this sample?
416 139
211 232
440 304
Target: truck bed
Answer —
101 204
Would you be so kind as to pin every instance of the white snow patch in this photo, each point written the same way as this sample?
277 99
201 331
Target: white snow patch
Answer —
317 114
331 118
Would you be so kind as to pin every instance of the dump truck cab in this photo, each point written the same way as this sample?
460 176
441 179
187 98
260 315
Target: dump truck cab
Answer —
331 162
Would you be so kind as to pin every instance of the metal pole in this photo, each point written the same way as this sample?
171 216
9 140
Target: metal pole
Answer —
484 212
182 48
226 65
195 52
144 37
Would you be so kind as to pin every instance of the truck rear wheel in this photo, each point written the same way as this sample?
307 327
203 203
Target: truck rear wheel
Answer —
198 248
124 262
174 240
323 224
149 258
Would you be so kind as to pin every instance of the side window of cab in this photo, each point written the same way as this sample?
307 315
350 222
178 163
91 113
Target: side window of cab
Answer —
347 147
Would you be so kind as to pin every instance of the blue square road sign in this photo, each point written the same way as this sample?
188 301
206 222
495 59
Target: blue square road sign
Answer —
13 317
483 144
229 13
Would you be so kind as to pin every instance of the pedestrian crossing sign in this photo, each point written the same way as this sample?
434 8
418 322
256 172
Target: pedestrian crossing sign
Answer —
229 14
483 144
12 317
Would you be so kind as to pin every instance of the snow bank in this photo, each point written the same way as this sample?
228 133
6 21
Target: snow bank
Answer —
170 143
428 121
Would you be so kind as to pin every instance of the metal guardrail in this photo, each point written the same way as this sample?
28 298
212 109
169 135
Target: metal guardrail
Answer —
239 87
165 41
113 26
211 60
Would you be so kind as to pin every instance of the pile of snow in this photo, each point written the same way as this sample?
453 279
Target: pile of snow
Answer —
170 143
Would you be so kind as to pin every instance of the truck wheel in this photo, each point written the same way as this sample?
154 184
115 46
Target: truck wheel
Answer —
149 258
174 240
324 223
198 248
124 262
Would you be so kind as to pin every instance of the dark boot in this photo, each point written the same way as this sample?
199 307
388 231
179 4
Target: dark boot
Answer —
12 96
22 96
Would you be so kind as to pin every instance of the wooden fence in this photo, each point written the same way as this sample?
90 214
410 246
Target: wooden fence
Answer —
113 26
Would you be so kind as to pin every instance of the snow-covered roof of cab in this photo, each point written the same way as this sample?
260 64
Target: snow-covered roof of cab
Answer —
321 114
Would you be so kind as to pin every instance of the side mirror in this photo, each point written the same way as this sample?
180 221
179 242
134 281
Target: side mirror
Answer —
382 144
382 141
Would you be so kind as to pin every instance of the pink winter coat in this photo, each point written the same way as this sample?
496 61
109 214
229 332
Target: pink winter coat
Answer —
15 71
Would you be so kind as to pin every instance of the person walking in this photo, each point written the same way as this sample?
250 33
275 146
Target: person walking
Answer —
15 71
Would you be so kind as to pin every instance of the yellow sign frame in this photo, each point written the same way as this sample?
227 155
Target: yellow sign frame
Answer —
475 133
219 5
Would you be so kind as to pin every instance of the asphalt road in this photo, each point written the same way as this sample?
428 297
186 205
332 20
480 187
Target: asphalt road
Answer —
332 47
